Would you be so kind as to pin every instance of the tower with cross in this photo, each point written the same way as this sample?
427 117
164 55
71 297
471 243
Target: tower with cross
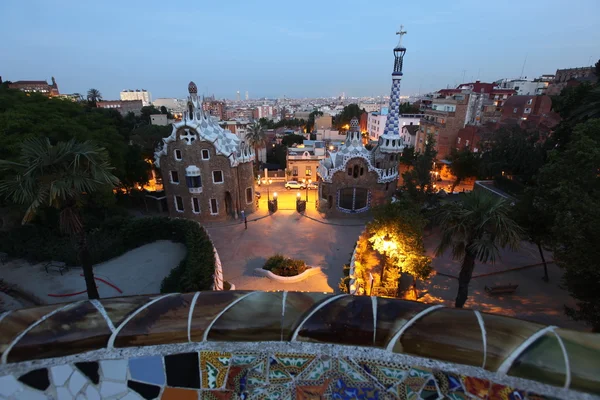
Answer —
391 125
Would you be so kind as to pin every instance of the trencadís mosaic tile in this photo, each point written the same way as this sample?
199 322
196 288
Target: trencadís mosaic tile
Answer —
251 375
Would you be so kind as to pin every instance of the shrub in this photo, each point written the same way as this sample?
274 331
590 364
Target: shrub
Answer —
283 266
116 236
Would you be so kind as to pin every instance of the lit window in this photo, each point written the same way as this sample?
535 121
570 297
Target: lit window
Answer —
217 176
249 195
214 207
174 177
195 205
178 155
308 171
178 203
205 154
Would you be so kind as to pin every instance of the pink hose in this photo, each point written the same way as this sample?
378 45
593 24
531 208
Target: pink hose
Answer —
83 291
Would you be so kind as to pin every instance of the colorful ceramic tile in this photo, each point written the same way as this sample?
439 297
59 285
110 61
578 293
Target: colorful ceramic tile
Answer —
179 394
501 392
261 313
313 392
392 315
114 369
318 370
344 389
477 387
147 369
584 359
247 370
346 320
294 363
430 391
182 370
386 373
448 382
119 308
37 379
18 320
272 392
77 329
445 334
214 366
145 390
278 373
503 336
217 395
542 361
208 306
163 322
90 370
297 306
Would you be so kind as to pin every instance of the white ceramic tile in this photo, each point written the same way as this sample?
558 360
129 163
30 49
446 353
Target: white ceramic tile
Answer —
29 394
63 394
108 388
9 385
60 374
92 393
76 382
114 369
81 396
131 396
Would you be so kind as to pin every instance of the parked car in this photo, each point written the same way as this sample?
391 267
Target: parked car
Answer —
312 186
294 185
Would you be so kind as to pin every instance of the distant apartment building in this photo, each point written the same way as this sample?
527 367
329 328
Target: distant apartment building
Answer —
122 106
443 120
325 121
524 87
408 133
302 115
41 87
171 104
370 107
266 111
159 119
137 94
376 123
304 159
521 108
571 77
215 108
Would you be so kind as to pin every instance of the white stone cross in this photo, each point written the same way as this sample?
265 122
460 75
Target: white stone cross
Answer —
401 33
188 137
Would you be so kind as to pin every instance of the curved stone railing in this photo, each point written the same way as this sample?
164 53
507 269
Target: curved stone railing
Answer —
371 344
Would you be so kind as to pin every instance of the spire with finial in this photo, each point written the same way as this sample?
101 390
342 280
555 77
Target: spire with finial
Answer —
400 33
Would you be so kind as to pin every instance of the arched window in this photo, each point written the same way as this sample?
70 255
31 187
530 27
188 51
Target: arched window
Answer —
355 173
190 111
362 171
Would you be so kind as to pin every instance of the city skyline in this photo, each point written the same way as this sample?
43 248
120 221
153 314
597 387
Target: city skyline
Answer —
268 51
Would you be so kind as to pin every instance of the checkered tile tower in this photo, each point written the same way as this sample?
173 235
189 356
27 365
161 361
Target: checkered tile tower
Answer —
392 130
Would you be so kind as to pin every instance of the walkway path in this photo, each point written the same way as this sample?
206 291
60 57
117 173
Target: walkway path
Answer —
139 271
286 232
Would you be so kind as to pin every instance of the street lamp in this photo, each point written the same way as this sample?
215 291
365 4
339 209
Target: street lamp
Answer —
306 183
275 196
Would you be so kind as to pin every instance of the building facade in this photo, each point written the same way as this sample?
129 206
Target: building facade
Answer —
354 179
215 108
408 134
370 107
42 87
564 76
137 94
521 108
207 171
122 106
303 160
524 87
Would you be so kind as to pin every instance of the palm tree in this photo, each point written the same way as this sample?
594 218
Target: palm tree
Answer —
94 95
58 176
256 137
475 229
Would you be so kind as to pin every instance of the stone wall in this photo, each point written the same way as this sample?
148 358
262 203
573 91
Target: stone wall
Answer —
236 180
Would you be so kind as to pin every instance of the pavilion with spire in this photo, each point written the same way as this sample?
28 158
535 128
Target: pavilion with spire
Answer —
353 178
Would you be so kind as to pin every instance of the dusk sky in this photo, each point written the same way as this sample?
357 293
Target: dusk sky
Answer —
291 48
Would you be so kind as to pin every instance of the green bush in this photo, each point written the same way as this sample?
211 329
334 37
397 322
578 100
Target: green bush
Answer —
116 236
283 266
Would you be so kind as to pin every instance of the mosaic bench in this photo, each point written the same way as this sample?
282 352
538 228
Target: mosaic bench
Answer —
280 345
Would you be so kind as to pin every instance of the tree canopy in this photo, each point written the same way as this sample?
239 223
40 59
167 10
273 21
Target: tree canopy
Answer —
349 112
